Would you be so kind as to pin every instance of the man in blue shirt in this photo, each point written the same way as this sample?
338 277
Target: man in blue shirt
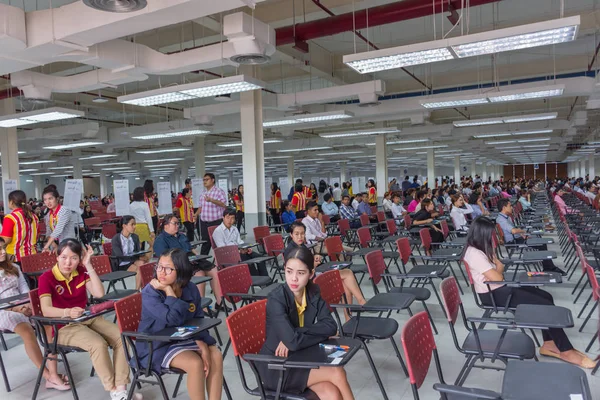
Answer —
349 213
363 208
405 184
513 235
330 208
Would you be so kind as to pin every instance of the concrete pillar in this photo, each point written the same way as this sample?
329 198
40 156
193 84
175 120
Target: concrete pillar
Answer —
37 187
381 173
185 173
430 168
577 170
343 172
199 156
77 174
484 171
9 147
473 169
290 173
582 170
591 167
103 187
253 156
457 168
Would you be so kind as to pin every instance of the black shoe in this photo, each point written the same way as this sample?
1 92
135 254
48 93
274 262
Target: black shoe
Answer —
558 270
222 307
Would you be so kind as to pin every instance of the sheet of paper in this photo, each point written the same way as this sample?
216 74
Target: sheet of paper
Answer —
336 361
197 191
268 181
73 193
576 397
163 190
338 354
8 185
222 183
284 186
121 190
356 185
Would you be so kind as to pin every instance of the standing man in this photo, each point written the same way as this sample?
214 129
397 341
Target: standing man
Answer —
211 207
337 194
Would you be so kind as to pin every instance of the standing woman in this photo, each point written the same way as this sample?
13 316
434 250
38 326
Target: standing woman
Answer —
239 206
313 192
170 300
297 318
126 243
372 192
60 220
186 212
63 294
20 227
149 199
141 212
275 209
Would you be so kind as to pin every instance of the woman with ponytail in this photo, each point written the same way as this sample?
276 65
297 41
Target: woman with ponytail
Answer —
20 227
124 244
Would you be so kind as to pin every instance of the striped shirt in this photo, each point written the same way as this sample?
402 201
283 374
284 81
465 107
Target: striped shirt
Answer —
238 207
209 211
151 205
186 209
299 201
23 234
61 222
276 200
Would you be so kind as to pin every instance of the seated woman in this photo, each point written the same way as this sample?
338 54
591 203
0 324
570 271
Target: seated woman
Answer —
63 294
127 242
171 300
458 213
170 238
485 266
351 288
16 319
425 217
288 216
297 318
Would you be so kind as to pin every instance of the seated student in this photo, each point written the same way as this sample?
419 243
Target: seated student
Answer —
409 197
127 242
485 266
288 216
387 203
397 210
170 300
349 213
16 319
458 213
170 238
297 318
315 229
63 294
356 201
351 288
227 234
479 208
425 217
415 205
363 207
330 208
525 200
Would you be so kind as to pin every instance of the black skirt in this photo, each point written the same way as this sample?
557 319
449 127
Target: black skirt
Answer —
295 380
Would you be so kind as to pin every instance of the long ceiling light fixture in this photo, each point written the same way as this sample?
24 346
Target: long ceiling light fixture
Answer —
72 145
98 156
37 116
36 162
494 97
496 41
505 120
238 144
304 149
165 159
437 146
170 150
191 91
166 135
515 133
378 131
308 118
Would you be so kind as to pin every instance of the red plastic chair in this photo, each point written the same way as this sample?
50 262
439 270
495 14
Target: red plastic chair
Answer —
407 222
36 264
211 230
364 237
102 266
147 273
107 248
261 232
593 280
227 255
274 246
364 220
380 216
109 230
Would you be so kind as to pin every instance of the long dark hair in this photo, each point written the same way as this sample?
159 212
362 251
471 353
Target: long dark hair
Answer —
322 186
480 236
149 187
274 188
240 194
303 254
124 221
138 194
182 265
72 244
19 199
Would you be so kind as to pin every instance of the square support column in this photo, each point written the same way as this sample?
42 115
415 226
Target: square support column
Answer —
430 168
381 173
582 168
290 174
591 167
9 146
343 172
103 187
456 168
473 168
199 156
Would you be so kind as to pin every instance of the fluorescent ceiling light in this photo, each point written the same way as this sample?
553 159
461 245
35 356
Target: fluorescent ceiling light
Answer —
109 164
526 94
505 120
34 117
53 168
514 133
164 159
35 162
71 145
493 135
98 156
438 146
191 91
360 133
115 168
60 176
169 150
341 153
455 101
477 122
304 149
517 133
164 165
306 118
29 170
224 155
166 135
502 142
533 140
238 144
508 39
41 173
273 157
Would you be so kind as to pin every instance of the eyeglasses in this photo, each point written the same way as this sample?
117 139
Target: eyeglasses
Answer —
176 223
206 179
166 270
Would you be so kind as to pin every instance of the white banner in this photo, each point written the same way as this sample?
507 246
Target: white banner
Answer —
163 190
72 195
121 188
362 181
9 185
268 181
356 185
197 191
334 181
284 186
222 183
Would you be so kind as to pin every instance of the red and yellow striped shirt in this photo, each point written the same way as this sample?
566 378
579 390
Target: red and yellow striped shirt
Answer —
299 201
151 205
276 200
53 218
23 234
372 195
186 209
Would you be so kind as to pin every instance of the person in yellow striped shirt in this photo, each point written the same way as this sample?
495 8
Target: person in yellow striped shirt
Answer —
185 206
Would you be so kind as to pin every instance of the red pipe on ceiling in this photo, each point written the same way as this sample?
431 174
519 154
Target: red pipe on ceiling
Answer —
375 16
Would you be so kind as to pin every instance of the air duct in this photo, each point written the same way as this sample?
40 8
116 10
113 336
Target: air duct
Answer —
116 6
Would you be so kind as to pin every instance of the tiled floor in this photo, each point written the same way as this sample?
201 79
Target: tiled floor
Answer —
22 373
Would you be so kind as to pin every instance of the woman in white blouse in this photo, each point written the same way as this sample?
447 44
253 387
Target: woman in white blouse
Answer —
458 213
141 212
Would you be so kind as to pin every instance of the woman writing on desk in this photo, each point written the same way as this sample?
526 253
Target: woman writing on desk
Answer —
127 243
63 294
170 300
298 318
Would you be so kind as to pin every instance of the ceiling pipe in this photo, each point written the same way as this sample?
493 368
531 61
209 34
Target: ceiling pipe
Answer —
375 16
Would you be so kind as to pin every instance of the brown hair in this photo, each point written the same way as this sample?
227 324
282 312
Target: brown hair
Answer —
7 266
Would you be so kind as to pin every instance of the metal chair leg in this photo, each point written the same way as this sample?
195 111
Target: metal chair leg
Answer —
377 377
63 356
3 342
589 346
177 385
585 305
588 316
4 376
463 369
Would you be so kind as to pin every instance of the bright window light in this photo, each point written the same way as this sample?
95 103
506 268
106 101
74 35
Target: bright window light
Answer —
37 116
239 144
72 145
98 156
164 160
304 149
359 133
166 135
195 90
36 162
171 150
224 155
41 173
307 118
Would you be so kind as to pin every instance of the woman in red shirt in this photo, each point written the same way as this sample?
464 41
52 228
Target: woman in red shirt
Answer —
372 192
19 229
239 206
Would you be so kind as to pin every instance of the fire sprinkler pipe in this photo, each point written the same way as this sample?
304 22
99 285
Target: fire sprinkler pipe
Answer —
375 16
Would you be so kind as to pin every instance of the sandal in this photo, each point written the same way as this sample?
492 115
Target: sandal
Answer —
586 362
58 386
